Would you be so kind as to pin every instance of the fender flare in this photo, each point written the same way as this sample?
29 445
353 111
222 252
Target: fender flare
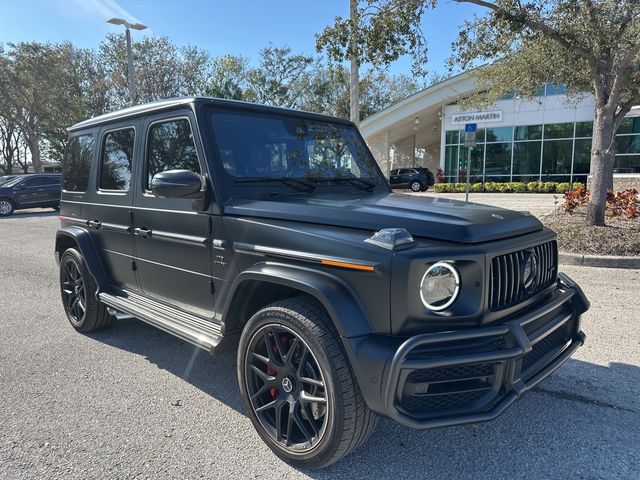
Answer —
334 294
82 239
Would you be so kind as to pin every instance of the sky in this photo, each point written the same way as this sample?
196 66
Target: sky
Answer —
240 27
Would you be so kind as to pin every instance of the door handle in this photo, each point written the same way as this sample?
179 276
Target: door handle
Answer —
142 232
94 223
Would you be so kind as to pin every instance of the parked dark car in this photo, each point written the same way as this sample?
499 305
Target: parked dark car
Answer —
417 179
29 191
214 220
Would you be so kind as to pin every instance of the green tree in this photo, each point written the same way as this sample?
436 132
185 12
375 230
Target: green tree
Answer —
277 80
33 90
587 45
228 77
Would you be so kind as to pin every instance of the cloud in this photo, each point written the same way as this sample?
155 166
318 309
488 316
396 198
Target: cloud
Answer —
102 9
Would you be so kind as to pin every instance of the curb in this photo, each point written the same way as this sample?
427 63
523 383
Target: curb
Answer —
607 261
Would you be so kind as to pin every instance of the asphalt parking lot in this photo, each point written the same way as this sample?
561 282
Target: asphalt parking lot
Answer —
134 402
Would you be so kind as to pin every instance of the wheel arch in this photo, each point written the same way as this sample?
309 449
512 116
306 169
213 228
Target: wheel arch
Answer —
265 283
76 237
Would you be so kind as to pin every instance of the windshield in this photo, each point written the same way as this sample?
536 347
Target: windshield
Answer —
12 182
5 179
262 146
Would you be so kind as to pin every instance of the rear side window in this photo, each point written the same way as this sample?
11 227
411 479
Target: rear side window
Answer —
117 157
171 147
77 163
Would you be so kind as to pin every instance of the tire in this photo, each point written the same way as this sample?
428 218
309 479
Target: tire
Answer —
415 186
7 207
333 429
78 292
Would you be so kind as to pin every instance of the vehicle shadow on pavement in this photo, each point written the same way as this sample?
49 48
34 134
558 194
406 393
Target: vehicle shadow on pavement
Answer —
31 214
582 422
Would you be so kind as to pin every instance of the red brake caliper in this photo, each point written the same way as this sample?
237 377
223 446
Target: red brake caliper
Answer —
273 391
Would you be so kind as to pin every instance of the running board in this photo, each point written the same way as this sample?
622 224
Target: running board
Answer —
195 330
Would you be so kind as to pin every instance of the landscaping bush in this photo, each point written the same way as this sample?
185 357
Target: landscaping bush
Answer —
505 187
623 203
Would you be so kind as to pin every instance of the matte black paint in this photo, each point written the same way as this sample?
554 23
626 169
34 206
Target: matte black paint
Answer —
200 257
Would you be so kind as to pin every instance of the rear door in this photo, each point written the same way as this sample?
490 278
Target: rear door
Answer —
53 189
111 211
172 239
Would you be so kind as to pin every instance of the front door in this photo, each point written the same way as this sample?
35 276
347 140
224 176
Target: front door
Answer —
172 240
32 191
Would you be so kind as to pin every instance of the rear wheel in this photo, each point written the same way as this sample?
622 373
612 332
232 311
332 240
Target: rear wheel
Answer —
6 207
296 382
78 291
415 186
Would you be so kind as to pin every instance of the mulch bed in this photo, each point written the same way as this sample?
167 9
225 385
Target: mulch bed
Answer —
621 236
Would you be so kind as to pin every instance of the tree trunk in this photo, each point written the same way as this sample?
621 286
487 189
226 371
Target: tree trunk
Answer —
354 80
602 160
34 149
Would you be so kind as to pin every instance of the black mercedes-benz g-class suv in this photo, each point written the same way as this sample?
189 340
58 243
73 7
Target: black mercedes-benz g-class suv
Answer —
215 219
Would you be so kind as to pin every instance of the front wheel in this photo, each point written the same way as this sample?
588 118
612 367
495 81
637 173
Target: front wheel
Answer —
6 207
415 186
297 385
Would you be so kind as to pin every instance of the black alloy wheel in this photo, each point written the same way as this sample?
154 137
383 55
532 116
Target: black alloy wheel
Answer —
74 295
78 291
287 388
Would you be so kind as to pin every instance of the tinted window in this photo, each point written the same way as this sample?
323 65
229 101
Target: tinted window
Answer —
36 181
117 157
77 163
171 147
265 146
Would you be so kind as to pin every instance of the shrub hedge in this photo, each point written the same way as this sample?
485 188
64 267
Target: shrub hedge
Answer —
507 187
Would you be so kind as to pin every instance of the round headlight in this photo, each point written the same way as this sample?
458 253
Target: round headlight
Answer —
440 286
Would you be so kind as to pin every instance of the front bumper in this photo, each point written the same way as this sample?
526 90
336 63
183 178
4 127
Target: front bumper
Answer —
469 376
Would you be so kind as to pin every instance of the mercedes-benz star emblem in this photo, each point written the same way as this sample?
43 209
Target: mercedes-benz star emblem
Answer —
287 385
530 272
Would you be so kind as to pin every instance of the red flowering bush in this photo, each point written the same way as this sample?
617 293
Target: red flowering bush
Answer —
439 176
623 203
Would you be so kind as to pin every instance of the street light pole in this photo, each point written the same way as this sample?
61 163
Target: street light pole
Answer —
130 69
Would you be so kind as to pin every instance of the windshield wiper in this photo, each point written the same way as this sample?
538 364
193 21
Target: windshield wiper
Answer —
296 183
358 182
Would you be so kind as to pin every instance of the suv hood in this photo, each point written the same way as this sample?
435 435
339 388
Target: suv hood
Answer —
422 216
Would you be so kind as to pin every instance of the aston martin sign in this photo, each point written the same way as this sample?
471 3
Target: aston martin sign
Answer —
476 117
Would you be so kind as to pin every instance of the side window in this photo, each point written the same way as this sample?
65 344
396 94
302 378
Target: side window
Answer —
77 163
116 160
34 182
171 147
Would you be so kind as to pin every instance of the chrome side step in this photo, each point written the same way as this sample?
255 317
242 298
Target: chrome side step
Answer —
195 330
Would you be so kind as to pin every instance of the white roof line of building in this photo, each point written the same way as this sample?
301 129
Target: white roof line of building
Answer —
379 121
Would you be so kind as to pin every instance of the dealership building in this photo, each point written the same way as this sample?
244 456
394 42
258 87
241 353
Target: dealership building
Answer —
547 138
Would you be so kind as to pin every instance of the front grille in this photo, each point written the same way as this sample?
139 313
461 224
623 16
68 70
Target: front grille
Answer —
429 390
506 286
551 342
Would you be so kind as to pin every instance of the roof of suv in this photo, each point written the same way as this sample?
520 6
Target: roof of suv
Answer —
160 105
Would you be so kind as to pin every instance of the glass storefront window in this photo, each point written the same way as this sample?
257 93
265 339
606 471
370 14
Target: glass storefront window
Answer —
528 132
451 160
584 129
555 89
498 159
628 144
582 156
526 158
558 130
477 157
452 137
627 164
629 125
500 134
556 157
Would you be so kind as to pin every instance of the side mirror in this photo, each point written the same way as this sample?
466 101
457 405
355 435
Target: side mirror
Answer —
181 184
